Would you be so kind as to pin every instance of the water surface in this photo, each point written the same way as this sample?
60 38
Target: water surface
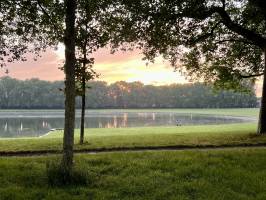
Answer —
24 123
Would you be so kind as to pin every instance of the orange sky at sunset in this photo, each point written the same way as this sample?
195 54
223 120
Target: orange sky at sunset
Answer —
126 66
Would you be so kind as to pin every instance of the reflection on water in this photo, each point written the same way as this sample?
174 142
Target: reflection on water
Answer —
37 123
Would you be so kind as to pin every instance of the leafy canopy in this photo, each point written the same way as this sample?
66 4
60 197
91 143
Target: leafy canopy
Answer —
28 26
221 41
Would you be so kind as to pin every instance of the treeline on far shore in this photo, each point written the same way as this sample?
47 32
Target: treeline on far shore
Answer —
39 94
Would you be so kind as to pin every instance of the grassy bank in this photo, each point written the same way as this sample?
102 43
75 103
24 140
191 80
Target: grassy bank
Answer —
238 174
216 135
216 175
251 112
248 112
227 134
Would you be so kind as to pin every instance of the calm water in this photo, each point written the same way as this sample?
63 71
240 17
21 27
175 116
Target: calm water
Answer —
39 122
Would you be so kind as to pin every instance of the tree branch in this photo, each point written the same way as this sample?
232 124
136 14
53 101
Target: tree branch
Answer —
223 2
247 42
49 17
43 10
202 14
251 75
246 33
204 36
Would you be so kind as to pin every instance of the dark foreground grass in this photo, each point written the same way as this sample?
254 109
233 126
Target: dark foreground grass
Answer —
237 174
215 135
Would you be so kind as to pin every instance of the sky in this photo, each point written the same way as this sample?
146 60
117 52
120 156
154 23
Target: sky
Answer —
121 66
126 66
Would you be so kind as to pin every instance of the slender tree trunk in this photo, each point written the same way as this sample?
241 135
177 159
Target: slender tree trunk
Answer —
82 110
262 117
83 96
69 40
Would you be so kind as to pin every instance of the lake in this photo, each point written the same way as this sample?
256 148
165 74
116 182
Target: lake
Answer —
34 123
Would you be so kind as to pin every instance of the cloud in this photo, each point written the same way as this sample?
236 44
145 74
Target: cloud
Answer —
45 68
127 66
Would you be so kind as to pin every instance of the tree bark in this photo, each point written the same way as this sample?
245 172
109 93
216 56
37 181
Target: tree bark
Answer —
69 41
83 96
82 110
262 116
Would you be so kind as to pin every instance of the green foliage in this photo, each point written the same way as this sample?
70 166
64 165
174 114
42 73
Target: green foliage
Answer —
28 26
90 36
30 93
219 41
84 73
35 93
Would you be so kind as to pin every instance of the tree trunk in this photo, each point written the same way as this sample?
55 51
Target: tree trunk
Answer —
262 117
69 41
82 110
83 96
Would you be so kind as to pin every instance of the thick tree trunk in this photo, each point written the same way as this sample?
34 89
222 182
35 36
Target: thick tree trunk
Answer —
262 117
69 40
82 110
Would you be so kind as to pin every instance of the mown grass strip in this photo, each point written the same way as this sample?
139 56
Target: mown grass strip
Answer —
220 175
193 136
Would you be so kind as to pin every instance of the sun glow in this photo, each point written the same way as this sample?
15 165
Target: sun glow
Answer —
129 66
121 66
60 51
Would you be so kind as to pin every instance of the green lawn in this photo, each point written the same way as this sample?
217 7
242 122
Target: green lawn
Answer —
236 174
251 112
142 137
227 134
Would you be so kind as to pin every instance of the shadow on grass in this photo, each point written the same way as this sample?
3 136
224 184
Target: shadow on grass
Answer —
58 176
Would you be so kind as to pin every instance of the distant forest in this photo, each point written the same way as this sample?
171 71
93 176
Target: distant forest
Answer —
39 94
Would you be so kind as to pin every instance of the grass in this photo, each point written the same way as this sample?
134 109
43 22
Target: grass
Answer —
251 112
216 135
237 174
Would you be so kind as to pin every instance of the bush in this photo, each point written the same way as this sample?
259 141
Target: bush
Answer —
58 176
